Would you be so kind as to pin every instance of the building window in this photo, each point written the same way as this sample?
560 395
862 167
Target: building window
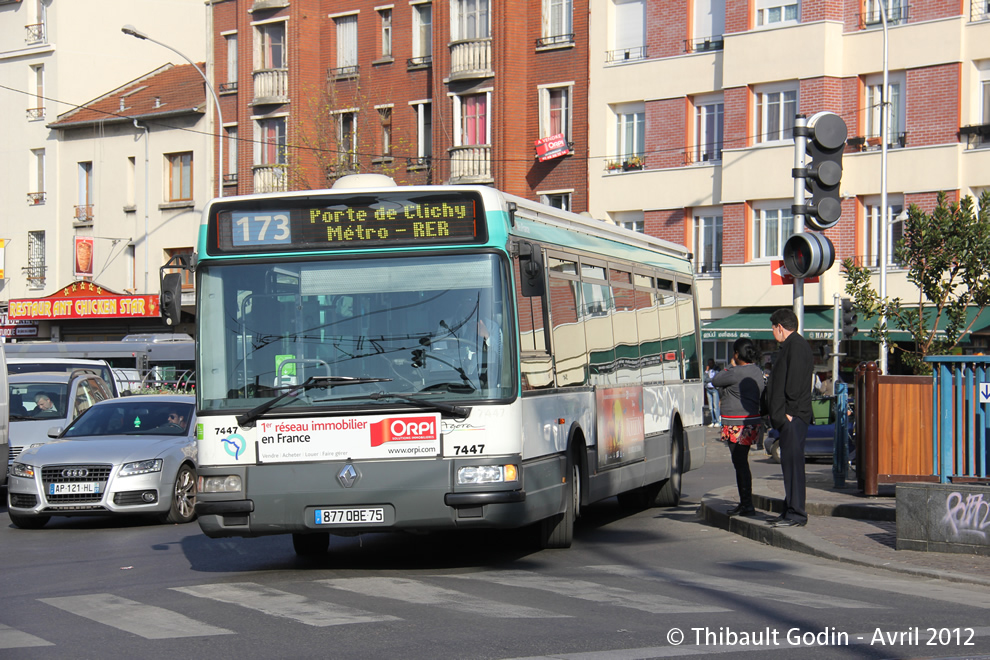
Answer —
775 110
131 182
187 275
386 18
774 12
347 44
35 270
474 119
230 153
37 195
874 109
631 220
179 176
629 35
84 195
424 131
709 130
422 46
271 45
557 25
270 148
558 200
871 227
230 84
471 19
630 140
385 117
771 227
555 111
985 88
346 131
897 12
38 100
130 267
708 243
709 19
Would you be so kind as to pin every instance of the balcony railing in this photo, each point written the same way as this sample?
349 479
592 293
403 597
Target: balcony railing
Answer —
875 143
271 178
84 213
977 136
34 114
625 55
419 62
228 87
471 58
36 198
896 15
34 34
471 164
705 155
230 178
979 10
416 164
555 40
271 86
35 275
704 44
344 72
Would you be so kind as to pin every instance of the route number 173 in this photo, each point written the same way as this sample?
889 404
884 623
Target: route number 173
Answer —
260 228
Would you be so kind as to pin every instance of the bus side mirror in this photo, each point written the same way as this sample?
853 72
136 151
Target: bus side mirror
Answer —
170 298
531 269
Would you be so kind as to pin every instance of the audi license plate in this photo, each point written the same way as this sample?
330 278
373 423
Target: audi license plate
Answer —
351 516
89 488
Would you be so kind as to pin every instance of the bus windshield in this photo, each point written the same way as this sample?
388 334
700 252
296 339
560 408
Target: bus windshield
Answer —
433 326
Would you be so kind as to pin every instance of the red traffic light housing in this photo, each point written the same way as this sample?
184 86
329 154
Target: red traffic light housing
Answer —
808 254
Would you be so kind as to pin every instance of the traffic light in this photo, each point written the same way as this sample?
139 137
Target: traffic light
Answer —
808 254
826 138
849 319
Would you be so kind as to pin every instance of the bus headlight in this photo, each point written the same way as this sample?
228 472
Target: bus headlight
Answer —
22 470
487 474
230 483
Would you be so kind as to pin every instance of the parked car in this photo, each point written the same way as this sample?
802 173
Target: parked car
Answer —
4 413
820 442
24 365
44 400
133 455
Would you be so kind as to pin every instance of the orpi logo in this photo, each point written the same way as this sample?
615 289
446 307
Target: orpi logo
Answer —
404 429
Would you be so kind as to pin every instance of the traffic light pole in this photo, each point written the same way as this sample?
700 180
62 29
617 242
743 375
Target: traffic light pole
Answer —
836 338
800 147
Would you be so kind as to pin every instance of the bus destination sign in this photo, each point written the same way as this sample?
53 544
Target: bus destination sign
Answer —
318 223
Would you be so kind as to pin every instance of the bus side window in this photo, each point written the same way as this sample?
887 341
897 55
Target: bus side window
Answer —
570 352
537 366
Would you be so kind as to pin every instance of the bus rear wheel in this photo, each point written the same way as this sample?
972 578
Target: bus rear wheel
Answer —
311 545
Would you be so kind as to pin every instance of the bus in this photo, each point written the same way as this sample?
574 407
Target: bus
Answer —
382 358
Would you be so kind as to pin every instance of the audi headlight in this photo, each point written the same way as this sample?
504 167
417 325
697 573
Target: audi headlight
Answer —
22 470
141 467
487 474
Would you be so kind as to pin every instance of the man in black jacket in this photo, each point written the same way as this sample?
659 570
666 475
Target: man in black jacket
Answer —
789 398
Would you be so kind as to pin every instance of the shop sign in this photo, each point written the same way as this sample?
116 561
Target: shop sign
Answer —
84 300
10 328
553 146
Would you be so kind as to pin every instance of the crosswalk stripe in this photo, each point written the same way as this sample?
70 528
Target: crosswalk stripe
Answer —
913 586
11 638
735 587
284 604
420 593
591 591
131 616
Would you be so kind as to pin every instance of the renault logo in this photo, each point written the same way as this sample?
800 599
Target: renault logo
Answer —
348 476
75 473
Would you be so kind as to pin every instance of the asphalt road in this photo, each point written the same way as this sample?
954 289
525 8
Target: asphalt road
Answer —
651 584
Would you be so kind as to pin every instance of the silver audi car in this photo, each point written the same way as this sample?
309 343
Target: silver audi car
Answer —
121 456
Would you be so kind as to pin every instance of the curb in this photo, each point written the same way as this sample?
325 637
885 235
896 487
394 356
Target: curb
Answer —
859 511
800 539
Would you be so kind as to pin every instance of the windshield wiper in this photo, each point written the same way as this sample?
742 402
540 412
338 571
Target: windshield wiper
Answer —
247 419
457 411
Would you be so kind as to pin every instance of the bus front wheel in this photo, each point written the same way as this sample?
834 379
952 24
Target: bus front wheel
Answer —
670 491
311 545
557 531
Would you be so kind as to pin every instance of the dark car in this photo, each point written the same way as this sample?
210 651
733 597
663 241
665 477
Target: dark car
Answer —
820 442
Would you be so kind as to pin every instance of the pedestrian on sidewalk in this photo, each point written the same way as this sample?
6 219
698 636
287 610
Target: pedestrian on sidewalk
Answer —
789 399
713 402
740 387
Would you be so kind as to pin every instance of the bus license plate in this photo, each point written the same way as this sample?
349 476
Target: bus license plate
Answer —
90 488
351 516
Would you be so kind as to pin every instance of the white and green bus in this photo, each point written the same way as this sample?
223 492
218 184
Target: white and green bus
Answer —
381 358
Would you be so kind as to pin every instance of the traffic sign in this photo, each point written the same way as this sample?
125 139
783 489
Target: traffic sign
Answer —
984 392
779 274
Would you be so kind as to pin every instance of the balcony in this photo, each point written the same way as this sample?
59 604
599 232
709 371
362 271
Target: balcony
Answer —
271 86
555 41
35 114
625 164
625 55
351 72
704 44
979 10
977 136
228 87
264 5
34 34
471 164
896 15
875 143
705 155
36 198
84 214
424 62
230 179
471 58
271 178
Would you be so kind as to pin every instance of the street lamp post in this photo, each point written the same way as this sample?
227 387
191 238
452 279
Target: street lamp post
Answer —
884 123
134 32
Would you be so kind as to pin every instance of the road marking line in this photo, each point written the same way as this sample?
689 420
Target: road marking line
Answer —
284 604
131 616
591 591
735 587
11 638
419 593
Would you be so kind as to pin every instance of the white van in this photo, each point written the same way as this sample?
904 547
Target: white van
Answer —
4 415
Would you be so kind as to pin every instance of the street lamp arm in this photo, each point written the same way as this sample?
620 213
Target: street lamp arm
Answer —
134 32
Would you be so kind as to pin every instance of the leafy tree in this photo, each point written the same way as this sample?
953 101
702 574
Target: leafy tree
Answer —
947 256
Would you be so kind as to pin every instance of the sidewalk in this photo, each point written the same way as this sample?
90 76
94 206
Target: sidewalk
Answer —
843 525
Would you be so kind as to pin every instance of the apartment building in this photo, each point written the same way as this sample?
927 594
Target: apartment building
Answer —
427 92
55 57
691 115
